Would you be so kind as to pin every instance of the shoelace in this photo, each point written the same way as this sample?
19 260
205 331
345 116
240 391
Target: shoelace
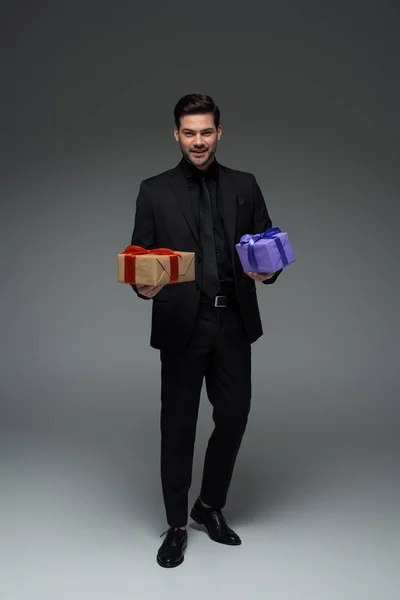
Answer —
174 529
219 517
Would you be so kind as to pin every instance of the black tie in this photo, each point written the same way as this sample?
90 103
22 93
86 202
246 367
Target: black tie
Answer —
210 270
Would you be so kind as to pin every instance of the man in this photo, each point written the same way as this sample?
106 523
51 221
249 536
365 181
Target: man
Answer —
204 329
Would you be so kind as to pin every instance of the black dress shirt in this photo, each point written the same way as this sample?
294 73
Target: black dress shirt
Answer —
224 264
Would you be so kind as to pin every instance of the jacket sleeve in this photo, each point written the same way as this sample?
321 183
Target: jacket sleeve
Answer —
262 221
143 230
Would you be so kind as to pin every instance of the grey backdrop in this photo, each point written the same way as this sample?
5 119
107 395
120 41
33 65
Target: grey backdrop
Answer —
309 96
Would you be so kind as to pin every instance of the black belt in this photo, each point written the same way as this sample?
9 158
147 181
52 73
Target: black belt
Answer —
222 301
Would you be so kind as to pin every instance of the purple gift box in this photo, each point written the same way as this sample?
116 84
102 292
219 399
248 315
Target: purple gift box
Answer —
266 252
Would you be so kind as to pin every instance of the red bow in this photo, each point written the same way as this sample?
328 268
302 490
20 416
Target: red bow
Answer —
132 252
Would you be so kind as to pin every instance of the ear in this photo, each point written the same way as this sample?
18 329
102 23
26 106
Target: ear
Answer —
219 132
176 134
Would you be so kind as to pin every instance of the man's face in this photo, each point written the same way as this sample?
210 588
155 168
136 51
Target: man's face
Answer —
198 138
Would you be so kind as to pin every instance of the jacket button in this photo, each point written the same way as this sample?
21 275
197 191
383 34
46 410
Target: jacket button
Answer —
197 287
199 259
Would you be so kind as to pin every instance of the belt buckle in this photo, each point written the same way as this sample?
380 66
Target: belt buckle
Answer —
216 302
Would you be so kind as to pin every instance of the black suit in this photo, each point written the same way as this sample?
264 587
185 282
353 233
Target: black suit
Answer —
196 339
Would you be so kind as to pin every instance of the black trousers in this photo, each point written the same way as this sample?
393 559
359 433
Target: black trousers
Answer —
220 353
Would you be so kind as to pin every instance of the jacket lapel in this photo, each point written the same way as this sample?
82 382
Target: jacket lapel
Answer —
229 206
180 189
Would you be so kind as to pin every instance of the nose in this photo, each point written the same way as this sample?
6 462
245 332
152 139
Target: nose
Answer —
198 140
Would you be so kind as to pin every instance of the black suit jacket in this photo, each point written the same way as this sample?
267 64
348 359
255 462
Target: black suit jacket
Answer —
164 218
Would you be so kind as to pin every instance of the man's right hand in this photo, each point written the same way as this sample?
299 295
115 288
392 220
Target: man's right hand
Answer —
149 290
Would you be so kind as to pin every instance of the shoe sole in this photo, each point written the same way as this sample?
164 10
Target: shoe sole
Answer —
171 566
199 521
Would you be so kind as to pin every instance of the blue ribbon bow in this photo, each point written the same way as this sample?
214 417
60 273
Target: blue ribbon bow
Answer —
251 240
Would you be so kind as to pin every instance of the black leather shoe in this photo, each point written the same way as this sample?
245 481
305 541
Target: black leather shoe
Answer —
170 553
215 523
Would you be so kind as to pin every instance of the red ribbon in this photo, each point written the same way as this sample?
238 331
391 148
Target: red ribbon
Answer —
131 252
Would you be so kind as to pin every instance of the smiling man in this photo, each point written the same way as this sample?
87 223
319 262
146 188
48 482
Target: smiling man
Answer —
204 329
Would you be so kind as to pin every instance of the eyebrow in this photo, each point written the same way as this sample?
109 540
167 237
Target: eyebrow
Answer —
192 130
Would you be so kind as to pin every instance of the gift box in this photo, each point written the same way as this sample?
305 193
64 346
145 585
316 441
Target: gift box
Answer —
161 266
266 252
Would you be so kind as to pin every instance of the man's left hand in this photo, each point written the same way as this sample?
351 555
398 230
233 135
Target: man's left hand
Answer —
260 276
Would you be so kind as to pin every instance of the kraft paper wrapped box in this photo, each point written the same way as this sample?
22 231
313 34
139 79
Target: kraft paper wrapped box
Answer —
160 266
266 252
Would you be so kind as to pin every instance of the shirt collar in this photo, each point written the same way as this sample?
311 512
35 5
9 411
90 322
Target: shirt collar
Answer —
190 171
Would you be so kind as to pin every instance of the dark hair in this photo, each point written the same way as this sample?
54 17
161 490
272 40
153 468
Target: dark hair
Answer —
194 104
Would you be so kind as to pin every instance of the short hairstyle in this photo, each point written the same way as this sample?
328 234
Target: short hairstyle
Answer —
194 104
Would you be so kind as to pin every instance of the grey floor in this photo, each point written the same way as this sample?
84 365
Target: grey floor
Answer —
81 513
